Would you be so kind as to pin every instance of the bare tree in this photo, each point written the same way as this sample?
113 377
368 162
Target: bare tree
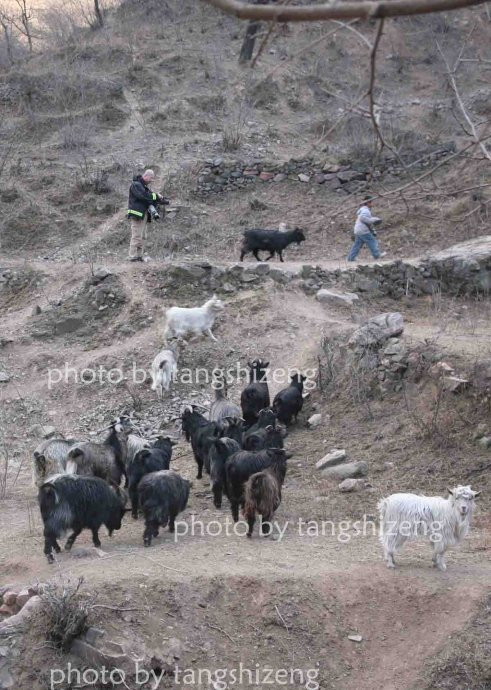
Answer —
6 24
25 21
98 13
249 41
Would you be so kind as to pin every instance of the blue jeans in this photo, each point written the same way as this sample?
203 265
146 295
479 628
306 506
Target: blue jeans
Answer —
360 240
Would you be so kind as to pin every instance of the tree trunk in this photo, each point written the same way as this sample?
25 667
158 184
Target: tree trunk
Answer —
8 41
249 41
98 13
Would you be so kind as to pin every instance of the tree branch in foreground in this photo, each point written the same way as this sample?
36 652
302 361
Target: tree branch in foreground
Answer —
366 9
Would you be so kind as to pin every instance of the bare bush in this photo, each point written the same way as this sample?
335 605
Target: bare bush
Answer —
65 612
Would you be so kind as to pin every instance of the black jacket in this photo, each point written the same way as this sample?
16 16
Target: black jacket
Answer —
140 198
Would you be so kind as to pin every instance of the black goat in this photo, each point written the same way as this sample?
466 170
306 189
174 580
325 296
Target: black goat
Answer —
201 433
148 460
255 395
262 494
220 450
271 241
70 502
267 437
241 465
162 496
289 401
232 427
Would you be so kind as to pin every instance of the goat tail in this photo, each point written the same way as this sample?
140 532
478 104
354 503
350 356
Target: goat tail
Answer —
48 499
262 494
382 508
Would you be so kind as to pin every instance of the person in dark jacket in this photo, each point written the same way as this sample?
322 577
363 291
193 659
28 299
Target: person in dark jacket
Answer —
140 198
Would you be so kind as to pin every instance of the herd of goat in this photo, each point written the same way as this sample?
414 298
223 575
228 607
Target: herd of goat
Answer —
241 448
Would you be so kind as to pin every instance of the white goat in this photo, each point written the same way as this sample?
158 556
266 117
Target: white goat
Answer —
135 444
195 321
164 368
445 521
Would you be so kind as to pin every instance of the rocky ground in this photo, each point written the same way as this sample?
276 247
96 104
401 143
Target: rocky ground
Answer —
399 402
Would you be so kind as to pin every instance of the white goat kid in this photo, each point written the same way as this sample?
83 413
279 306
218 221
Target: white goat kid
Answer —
164 368
194 321
444 521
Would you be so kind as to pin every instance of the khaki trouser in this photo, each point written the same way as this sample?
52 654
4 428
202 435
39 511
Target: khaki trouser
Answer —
138 233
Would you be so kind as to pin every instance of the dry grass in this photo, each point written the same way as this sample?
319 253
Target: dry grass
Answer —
65 612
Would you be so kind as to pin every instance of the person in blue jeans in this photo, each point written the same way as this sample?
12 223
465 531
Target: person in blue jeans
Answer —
364 232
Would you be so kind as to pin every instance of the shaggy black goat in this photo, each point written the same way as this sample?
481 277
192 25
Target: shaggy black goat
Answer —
262 494
271 241
220 450
201 433
162 496
232 427
241 465
148 460
70 502
289 401
255 395
268 437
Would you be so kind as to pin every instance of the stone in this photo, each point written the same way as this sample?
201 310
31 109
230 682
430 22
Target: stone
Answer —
481 430
261 268
377 330
355 638
251 173
49 431
248 277
335 457
349 485
319 178
23 597
4 377
228 287
314 421
279 177
68 325
332 297
350 176
7 610
485 442
6 680
93 634
266 176
304 178
22 619
10 598
279 276
36 310
441 368
454 384
347 471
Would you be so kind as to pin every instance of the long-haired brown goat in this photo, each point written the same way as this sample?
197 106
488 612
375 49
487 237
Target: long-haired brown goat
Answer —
262 494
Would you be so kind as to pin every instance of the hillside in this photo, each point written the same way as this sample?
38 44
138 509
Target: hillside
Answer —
235 147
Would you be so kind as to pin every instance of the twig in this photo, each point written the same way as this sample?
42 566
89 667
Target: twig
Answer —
224 632
113 608
281 618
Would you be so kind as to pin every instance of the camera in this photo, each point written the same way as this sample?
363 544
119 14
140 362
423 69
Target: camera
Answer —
154 214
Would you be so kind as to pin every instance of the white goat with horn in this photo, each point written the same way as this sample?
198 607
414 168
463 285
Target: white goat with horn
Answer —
445 521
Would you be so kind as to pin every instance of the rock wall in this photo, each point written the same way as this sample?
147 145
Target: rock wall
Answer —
462 269
220 175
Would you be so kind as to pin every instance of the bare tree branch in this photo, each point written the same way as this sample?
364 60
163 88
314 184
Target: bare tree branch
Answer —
453 84
366 9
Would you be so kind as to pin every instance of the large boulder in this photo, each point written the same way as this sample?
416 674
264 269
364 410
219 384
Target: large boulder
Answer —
376 331
347 471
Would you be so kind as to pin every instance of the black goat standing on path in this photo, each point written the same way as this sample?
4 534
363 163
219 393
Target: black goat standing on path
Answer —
272 241
289 401
255 395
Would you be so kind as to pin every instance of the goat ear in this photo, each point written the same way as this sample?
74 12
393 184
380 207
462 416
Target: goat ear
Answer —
477 493
450 491
288 455
270 428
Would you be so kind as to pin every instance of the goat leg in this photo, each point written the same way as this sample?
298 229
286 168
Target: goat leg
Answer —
270 256
208 332
71 539
95 538
256 255
251 521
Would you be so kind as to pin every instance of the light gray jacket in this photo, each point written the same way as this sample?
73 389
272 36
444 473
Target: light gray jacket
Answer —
365 221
